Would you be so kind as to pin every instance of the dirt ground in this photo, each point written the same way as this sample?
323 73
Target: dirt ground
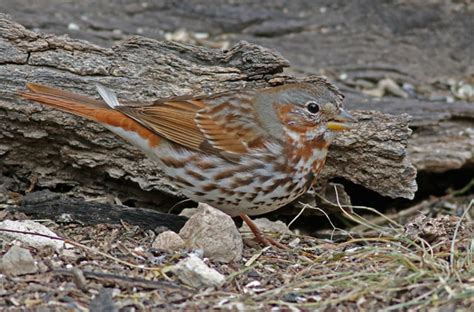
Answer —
420 258
425 264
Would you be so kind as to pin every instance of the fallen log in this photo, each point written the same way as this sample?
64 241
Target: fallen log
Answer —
62 152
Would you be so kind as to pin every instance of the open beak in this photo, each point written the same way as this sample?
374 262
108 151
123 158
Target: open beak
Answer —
341 122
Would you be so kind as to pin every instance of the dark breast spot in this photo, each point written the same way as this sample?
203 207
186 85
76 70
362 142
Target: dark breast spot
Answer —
173 162
264 178
237 182
224 174
205 165
181 181
227 192
251 197
281 198
277 183
230 172
195 175
209 187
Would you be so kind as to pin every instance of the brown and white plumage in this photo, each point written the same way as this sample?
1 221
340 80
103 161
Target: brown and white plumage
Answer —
244 152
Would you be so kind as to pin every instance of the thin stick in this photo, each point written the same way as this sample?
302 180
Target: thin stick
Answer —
79 245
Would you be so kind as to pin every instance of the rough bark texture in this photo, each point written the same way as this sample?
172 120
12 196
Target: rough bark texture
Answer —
61 149
443 135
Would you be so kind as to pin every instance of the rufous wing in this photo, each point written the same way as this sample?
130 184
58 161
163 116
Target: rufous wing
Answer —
199 125
173 120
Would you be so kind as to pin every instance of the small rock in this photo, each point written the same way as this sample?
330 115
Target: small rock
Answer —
198 253
188 212
463 90
30 239
169 241
18 261
73 26
294 242
385 86
69 254
103 301
343 76
267 226
193 272
214 232
436 230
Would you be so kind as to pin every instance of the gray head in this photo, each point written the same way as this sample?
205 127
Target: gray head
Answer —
307 110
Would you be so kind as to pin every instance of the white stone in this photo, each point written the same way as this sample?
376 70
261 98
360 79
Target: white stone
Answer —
214 232
295 242
188 212
169 241
193 272
18 261
30 239
73 26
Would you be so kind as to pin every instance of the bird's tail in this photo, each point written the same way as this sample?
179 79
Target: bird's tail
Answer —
89 108
70 102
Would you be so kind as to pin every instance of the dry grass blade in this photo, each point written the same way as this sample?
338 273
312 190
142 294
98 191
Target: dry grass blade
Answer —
456 230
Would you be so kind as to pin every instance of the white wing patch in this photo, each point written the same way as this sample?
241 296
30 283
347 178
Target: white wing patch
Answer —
108 95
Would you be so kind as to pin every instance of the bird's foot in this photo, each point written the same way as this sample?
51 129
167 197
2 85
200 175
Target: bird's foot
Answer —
260 236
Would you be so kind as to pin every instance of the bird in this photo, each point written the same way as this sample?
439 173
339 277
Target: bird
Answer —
245 152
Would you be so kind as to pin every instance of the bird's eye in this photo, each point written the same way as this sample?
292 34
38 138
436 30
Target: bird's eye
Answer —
312 107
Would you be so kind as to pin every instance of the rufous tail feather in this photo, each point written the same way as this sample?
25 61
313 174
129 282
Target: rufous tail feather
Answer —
86 107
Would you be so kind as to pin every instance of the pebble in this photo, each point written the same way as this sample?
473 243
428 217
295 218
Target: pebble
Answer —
188 212
18 261
73 26
385 86
169 241
30 239
193 272
214 232
294 243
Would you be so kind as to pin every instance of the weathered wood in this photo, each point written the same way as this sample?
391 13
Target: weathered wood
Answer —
72 153
54 206
443 133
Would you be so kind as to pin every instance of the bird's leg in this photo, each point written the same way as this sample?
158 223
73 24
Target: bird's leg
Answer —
259 235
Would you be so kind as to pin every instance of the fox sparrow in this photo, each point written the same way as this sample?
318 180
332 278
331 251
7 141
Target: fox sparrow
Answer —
245 152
